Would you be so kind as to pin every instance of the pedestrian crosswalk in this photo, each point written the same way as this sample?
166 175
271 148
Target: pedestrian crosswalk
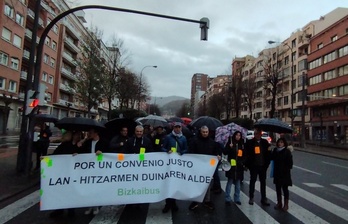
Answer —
298 211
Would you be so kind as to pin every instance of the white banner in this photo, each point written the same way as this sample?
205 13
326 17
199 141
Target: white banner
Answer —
88 180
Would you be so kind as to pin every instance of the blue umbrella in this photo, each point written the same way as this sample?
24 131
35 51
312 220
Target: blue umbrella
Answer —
273 125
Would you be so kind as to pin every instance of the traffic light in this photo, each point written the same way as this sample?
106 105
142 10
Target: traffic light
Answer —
204 28
32 101
42 94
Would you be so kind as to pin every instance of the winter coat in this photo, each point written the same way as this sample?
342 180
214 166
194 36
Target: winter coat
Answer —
101 145
66 148
282 166
180 143
253 158
236 172
206 146
134 145
115 147
157 141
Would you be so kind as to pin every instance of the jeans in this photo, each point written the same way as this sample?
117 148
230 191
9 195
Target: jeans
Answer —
236 195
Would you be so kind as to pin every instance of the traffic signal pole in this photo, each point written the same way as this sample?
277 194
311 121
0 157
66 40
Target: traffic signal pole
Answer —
23 153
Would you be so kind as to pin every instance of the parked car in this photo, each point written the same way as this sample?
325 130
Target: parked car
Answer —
265 135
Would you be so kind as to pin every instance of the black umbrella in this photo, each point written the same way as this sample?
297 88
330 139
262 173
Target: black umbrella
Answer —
79 124
273 125
116 124
40 118
176 119
211 122
153 120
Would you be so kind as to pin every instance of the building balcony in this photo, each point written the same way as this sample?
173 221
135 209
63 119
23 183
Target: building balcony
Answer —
71 29
68 74
71 45
48 9
303 43
31 14
69 59
65 102
26 54
21 95
24 75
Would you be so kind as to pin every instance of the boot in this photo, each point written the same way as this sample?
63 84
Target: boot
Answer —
286 205
279 204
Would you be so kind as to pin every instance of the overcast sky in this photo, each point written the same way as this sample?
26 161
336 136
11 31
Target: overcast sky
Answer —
237 28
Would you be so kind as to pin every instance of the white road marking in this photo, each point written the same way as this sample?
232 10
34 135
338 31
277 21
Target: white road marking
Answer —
333 164
155 215
17 207
296 210
254 212
322 203
313 185
108 214
310 171
341 186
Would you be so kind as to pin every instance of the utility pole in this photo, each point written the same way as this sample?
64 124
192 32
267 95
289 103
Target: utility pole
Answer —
24 140
303 110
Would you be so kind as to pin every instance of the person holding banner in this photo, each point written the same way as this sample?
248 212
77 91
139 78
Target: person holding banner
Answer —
234 151
68 145
139 143
118 143
257 152
94 144
175 142
282 158
157 138
203 144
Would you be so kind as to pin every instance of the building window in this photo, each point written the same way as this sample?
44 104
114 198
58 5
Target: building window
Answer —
343 51
334 38
330 75
6 34
329 57
50 79
315 63
293 43
12 86
286 60
55 29
286 100
19 19
343 90
44 77
22 1
47 41
2 83
45 59
343 70
319 46
3 58
9 11
53 62
49 97
15 63
54 45
17 41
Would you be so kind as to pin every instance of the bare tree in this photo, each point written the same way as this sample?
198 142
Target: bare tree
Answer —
216 105
127 88
90 70
237 91
249 86
271 81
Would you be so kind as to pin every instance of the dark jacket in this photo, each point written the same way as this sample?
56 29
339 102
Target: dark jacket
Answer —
206 146
115 147
235 152
282 166
66 148
134 144
255 157
101 145
180 143
157 141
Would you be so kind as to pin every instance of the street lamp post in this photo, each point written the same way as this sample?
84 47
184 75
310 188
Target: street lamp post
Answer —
292 82
140 83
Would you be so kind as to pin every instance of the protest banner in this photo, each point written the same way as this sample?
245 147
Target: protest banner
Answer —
87 180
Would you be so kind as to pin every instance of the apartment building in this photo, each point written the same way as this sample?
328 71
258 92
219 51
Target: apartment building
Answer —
199 84
328 79
58 67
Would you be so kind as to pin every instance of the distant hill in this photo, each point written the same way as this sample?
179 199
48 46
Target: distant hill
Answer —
173 106
161 101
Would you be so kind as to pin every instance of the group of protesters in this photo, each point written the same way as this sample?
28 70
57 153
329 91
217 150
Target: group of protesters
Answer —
253 155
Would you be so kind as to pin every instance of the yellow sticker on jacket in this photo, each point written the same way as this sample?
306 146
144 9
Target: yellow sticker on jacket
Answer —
142 150
240 153
157 141
257 149
173 149
233 162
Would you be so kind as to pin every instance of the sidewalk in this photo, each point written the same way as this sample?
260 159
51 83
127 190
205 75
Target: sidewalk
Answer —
12 184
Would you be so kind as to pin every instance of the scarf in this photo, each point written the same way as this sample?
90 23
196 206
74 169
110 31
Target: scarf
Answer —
280 149
177 135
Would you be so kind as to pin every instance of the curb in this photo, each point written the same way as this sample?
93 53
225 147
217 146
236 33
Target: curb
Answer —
323 153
